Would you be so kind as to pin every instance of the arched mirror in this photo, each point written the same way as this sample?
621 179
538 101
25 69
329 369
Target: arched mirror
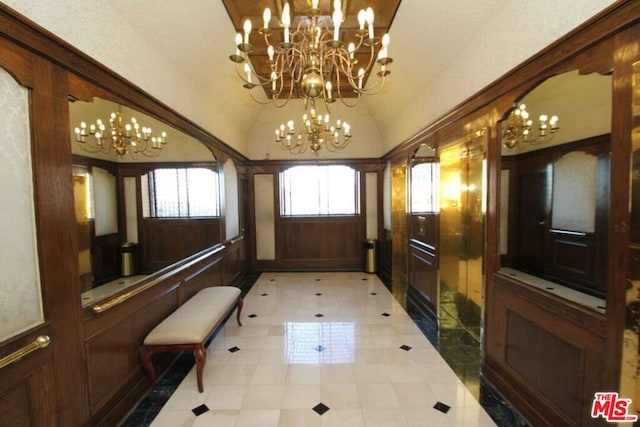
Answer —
148 200
555 186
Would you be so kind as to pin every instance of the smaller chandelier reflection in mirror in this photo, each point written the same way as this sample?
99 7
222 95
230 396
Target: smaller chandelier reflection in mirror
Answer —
315 132
519 128
121 137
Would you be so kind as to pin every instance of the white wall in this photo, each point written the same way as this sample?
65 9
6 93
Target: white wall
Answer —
443 53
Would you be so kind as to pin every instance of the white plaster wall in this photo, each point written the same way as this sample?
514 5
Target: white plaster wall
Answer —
20 299
131 209
443 53
105 202
265 213
574 192
372 204
453 52
231 199
365 141
144 42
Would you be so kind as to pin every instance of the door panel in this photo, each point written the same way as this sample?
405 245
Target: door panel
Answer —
26 358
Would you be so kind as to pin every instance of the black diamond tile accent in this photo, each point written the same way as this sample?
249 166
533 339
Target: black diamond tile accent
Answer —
319 315
321 408
200 410
317 280
252 315
364 279
373 293
320 349
386 314
234 349
318 294
405 347
263 295
272 280
441 407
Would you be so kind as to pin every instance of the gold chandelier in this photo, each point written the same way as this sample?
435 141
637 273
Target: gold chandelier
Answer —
122 138
316 131
519 128
314 59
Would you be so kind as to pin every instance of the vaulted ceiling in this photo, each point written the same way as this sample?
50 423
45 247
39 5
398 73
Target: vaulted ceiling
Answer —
178 51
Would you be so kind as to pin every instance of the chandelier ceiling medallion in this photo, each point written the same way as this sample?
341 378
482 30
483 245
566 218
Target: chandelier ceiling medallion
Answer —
312 60
315 132
519 128
121 137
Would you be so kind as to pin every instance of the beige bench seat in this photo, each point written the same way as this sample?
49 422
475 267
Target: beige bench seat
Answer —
191 325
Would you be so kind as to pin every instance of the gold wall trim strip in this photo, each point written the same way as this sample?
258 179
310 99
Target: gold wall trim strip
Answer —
41 342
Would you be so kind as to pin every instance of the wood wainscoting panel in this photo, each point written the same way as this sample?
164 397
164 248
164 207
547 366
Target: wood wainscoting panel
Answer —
423 274
14 407
573 258
545 354
165 241
332 242
112 350
205 275
551 365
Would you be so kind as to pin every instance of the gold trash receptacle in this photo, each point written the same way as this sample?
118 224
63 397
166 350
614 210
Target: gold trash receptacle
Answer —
370 256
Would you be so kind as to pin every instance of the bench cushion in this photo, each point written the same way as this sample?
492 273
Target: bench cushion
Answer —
194 320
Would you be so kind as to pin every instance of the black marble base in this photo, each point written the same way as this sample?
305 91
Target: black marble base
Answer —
460 348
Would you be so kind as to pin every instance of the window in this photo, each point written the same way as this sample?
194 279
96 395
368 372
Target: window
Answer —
319 191
181 193
424 184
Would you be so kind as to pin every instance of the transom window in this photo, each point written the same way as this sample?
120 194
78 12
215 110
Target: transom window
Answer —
181 193
319 190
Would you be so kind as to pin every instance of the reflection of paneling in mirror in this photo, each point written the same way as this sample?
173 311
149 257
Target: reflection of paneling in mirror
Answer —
554 199
114 188
84 218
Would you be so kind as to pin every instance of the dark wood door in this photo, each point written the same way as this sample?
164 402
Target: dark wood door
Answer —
532 220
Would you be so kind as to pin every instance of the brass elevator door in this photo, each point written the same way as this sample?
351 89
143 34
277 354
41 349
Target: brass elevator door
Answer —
461 235
399 244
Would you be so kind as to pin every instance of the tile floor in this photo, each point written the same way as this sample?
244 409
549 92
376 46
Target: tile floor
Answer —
322 349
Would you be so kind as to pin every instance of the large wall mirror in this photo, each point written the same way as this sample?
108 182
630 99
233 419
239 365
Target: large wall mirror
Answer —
555 184
136 213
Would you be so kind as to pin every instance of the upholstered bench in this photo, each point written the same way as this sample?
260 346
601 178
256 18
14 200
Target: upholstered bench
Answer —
191 326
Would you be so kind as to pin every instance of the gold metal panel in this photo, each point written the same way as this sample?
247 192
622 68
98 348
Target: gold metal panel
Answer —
462 209
630 366
399 243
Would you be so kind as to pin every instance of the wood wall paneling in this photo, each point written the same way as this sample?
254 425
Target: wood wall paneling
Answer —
327 243
165 241
545 355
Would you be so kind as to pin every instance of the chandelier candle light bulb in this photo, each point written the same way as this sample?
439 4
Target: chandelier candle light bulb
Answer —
125 138
313 60
316 132
519 128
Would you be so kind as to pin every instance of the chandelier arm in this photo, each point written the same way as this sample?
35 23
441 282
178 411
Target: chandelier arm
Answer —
261 81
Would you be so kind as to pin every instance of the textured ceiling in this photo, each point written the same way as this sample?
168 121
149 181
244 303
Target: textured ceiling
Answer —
443 52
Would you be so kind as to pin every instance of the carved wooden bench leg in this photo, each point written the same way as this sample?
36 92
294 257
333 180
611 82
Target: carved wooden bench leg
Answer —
148 366
239 304
200 354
